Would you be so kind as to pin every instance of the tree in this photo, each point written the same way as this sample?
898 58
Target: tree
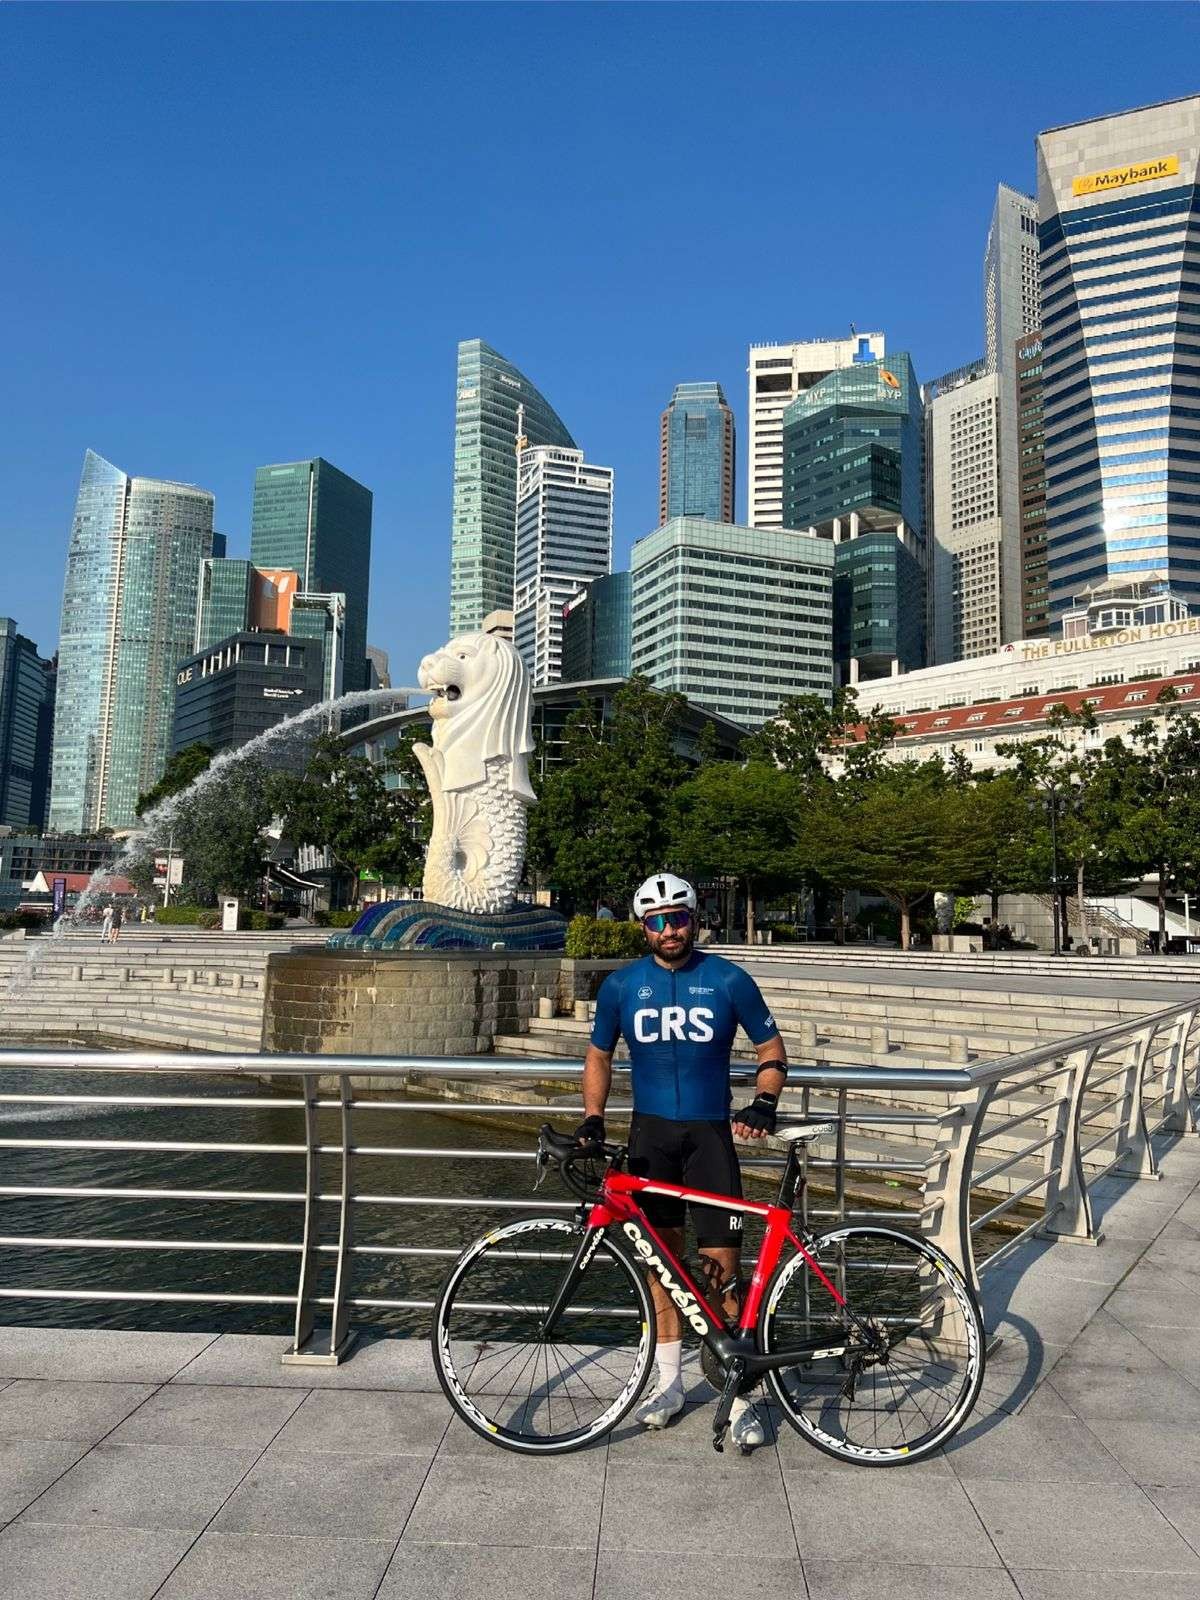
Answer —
1160 783
1009 834
805 733
222 832
903 831
737 821
603 818
180 772
342 803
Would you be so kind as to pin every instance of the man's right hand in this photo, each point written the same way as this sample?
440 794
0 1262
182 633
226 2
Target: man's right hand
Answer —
590 1131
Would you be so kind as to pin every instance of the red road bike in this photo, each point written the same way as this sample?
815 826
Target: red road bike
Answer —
868 1337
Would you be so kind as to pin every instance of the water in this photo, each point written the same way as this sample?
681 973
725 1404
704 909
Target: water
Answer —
249 1221
155 826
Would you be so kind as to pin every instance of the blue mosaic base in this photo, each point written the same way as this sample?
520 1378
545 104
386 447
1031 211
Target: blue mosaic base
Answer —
422 925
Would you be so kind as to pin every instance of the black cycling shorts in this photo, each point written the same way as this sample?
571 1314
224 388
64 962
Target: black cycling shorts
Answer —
699 1154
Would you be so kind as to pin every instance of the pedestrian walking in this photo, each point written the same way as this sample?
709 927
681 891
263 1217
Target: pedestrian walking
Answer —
117 918
106 924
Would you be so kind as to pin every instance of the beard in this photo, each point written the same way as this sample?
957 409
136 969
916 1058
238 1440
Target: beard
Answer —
676 951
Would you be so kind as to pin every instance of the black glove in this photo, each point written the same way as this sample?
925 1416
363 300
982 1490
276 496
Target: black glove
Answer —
759 1117
590 1131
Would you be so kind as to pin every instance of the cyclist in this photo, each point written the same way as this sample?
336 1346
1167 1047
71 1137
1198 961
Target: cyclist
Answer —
679 1009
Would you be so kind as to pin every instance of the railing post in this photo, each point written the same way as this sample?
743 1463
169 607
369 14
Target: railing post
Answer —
1136 1156
306 1287
950 1187
1068 1207
340 1337
1179 1114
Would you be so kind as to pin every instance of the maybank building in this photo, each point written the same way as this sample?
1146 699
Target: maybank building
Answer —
1119 240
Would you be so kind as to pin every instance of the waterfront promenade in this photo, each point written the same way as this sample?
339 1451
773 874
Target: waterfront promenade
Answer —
187 1466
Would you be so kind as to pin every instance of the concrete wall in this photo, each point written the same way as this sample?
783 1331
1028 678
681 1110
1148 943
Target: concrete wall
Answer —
436 1003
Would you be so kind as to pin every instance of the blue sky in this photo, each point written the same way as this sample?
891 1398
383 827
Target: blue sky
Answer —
240 234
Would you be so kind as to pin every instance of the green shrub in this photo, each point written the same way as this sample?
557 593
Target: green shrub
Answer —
178 916
260 921
208 919
600 940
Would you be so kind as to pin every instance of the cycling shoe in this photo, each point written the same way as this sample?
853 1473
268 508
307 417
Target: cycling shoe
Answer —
661 1406
746 1430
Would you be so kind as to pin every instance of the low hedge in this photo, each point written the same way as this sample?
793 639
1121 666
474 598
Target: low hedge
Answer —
179 916
603 939
338 919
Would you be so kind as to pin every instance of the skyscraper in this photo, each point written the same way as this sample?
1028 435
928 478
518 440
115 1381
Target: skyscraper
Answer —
315 520
962 465
852 473
1119 208
128 617
1011 294
778 373
1012 309
697 459
489 391
564 540
26 722
597 630
1031 505
735 618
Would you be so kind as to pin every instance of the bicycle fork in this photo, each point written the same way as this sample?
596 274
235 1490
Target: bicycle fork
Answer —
586 1249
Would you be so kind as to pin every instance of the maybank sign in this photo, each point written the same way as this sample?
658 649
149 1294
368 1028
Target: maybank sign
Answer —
1122 177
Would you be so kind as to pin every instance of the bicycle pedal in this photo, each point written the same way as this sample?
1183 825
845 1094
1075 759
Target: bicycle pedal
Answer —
719 1439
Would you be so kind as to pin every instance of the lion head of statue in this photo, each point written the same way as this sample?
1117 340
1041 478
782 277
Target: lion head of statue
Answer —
480 708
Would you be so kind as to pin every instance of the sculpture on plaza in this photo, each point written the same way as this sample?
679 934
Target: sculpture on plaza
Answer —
477 771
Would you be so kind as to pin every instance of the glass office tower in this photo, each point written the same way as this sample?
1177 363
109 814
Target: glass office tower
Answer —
224 601
697 455
128 619
482 534
597 630
315 520
735 618
852 473
26 722
1120 216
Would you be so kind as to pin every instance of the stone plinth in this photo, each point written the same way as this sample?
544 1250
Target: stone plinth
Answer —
414 1003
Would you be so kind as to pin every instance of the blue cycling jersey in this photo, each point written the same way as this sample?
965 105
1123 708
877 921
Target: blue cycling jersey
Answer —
679 1025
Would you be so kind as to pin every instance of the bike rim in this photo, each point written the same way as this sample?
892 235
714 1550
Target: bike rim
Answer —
902 1396
506 1378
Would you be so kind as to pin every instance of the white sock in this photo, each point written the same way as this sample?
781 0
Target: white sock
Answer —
670 1358
740 1407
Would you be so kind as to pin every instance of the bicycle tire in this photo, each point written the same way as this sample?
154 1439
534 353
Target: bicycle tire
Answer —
929 1387
593 1387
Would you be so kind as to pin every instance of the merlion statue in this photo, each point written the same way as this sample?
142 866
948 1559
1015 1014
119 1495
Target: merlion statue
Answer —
477 772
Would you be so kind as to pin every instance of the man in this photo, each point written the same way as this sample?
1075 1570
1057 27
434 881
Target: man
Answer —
679 1010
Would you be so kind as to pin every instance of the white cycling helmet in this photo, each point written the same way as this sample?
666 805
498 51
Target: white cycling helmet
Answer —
662 892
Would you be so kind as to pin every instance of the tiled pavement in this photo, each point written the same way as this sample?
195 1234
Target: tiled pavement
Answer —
192 1466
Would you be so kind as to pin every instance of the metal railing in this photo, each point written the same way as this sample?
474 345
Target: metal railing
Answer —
986 1154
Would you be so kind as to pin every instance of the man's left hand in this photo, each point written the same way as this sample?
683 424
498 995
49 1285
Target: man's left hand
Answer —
756 1120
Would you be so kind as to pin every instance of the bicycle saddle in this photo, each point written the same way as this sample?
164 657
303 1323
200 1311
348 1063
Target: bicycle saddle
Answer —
803 1131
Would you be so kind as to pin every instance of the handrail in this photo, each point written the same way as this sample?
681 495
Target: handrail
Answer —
1029 1110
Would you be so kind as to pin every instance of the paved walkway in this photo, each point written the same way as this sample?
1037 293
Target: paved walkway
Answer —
194 1466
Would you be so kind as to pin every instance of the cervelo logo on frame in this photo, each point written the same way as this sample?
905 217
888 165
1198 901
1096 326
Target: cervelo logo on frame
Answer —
673 1022
683 1298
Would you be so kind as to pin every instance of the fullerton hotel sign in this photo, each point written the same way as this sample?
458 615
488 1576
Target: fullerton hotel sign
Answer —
1036 650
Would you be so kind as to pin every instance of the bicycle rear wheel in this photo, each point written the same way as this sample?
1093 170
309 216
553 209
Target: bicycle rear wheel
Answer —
902 1375
505 1376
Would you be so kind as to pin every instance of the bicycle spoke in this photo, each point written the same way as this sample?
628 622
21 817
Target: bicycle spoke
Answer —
911 1368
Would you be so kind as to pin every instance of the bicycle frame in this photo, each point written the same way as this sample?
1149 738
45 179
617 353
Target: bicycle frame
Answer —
617 1207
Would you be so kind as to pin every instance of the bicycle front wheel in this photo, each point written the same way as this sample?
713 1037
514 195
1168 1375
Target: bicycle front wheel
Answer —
898 1367
542 1391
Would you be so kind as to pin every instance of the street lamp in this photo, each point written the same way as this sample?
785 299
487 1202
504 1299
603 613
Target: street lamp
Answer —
1052 799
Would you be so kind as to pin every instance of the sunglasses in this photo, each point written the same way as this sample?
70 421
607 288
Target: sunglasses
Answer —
660 921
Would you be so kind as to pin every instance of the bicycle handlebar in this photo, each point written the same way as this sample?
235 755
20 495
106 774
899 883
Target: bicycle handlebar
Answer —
563 1150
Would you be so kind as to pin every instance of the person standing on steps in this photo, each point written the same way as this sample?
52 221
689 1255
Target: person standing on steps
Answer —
106 925
679 1010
